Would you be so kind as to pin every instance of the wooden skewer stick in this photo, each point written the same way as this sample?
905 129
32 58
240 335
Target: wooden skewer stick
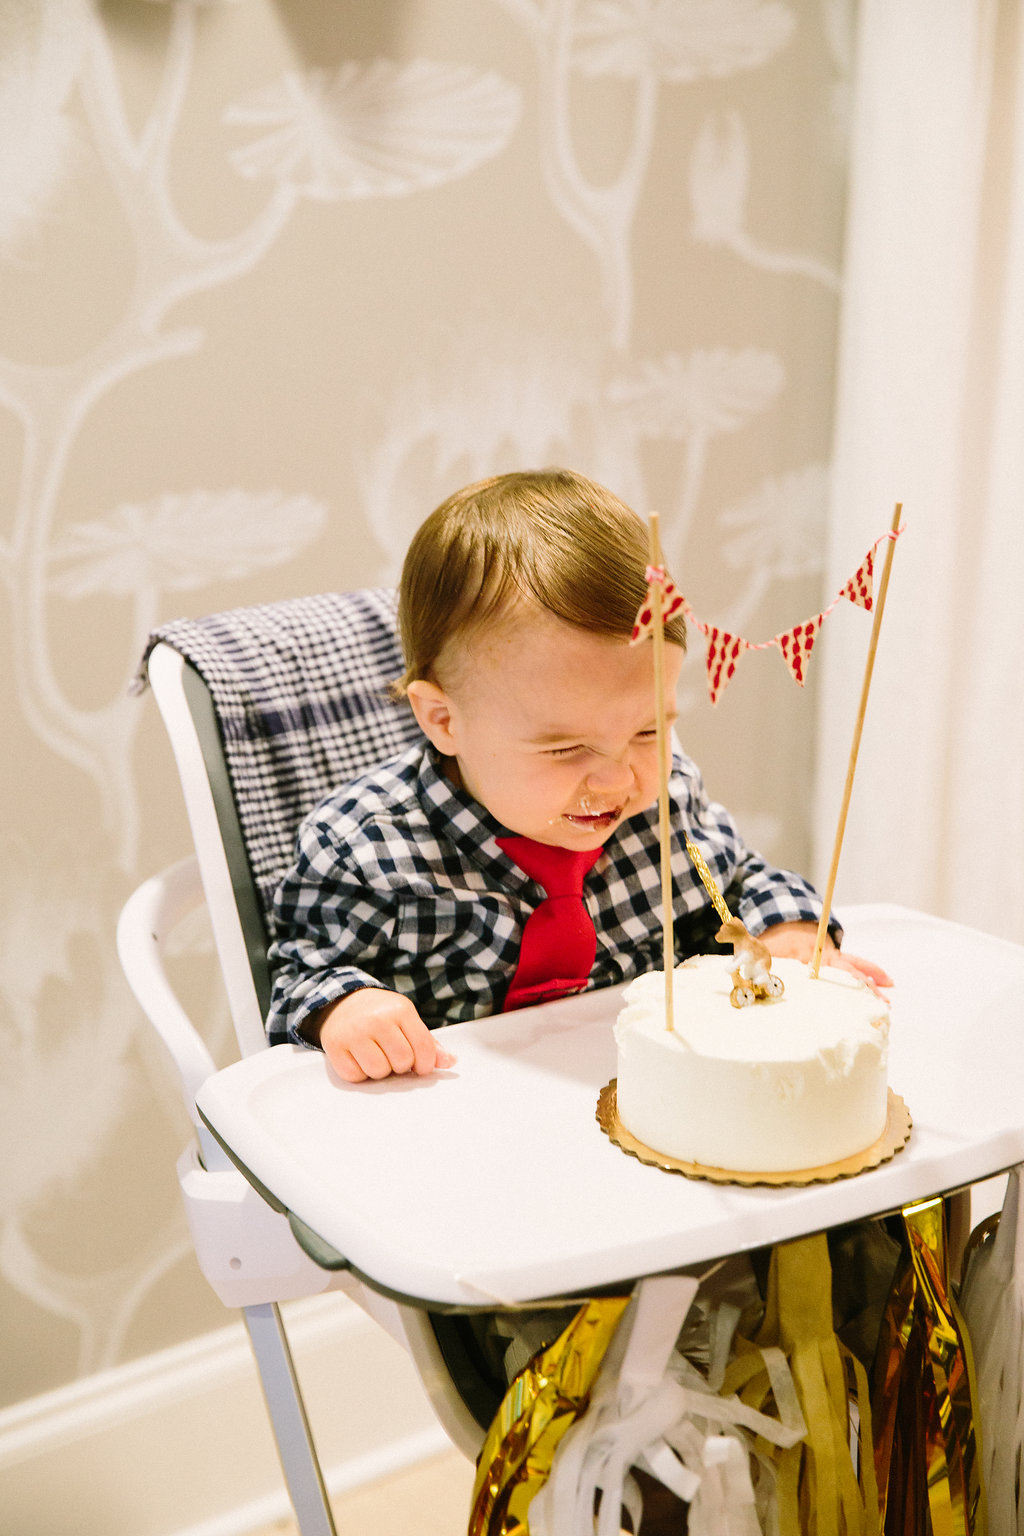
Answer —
661 725
844 808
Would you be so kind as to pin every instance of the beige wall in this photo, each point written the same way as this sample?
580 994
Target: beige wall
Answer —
274 279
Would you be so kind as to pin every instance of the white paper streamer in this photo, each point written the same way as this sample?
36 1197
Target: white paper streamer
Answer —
651 1408
992 1304
726 1499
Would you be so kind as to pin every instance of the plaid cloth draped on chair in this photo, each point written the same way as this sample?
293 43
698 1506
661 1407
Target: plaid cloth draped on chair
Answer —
300 690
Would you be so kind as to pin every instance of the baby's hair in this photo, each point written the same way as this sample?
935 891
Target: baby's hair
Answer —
548 536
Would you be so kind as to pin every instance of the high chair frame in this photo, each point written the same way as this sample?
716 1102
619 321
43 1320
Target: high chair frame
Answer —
246 1248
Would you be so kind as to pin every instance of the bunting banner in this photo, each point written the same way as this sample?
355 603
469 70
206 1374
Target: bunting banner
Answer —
723 650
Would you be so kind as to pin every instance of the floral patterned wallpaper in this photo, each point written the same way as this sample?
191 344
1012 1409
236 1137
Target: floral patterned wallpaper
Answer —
277 276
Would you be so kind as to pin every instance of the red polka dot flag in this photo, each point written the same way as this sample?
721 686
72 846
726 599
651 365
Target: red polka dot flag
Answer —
723 650
671 602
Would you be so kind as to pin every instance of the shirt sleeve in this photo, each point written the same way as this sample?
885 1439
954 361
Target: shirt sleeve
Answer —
760 894
331 919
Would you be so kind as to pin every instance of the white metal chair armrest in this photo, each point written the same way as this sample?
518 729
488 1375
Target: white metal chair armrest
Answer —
148 917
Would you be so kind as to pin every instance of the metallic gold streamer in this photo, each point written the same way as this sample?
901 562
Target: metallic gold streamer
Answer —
653 1412
927 1440
819 1490
539 1406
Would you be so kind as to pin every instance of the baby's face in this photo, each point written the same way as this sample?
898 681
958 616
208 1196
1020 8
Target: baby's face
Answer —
552 728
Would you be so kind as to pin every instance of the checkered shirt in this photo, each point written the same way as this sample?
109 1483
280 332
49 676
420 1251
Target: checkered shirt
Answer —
399 882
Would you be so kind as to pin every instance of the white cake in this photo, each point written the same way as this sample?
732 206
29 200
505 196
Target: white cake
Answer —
796 1082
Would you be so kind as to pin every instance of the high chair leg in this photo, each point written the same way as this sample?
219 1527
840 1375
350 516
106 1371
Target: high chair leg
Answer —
299 1460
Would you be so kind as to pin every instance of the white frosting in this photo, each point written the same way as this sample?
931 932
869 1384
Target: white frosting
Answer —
796 1082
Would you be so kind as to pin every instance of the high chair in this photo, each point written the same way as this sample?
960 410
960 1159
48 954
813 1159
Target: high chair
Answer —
510 1195
267 709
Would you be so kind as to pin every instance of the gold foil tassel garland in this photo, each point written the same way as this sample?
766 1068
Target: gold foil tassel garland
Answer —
927 1440
656 1417
819 1489
785 1434
539 1406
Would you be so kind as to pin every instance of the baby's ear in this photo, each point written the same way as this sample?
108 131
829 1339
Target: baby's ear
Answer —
433 711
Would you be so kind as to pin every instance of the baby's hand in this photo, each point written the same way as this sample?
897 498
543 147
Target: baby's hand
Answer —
372 1033
797 941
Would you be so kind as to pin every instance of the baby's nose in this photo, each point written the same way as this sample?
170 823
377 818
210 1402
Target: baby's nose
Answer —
611 774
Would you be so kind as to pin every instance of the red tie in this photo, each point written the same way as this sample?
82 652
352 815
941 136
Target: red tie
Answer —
559 943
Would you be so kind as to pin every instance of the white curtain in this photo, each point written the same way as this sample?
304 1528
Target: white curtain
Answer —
930 412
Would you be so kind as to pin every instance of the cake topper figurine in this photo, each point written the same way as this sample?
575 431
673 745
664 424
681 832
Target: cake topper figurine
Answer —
752 979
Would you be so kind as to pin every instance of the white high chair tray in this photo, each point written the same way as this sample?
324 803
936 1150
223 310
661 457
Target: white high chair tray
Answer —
492 1183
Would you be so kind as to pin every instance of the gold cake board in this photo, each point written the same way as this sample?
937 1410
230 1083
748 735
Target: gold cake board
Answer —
892 1140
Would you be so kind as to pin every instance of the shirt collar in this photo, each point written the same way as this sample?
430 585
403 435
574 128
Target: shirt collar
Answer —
455 815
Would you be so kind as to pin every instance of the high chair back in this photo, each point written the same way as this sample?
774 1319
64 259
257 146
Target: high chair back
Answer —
288 700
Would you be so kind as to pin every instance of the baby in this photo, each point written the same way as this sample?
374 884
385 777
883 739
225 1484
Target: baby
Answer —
404 911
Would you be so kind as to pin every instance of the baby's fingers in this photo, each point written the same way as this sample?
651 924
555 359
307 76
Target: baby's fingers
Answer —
427 1055
373 1059
406 1045
867 970
345 1064
373 1032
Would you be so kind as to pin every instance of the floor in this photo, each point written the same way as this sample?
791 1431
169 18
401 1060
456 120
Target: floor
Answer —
431 1498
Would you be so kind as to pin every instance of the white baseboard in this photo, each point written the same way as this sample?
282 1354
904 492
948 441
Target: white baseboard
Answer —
178 1443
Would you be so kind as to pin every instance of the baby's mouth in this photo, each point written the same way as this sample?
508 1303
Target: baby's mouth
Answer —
595 820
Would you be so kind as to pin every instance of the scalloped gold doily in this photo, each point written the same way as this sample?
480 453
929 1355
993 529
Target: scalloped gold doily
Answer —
892 1140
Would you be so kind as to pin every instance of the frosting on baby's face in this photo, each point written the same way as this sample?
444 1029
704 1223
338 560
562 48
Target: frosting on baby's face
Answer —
551 727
